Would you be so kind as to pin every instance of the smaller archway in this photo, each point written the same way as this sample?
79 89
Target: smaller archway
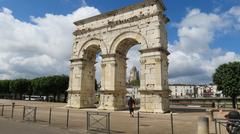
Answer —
121 49
88 89
129 38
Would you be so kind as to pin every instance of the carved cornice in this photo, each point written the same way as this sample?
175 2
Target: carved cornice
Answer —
115 23
106 91
77 60
143 61
114 64
160 49
108 55
122 11
165 19
74 91
158 60
103 65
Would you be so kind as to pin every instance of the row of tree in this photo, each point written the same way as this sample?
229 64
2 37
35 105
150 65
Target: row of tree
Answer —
54 86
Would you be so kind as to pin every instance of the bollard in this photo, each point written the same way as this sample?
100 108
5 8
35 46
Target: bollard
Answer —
138 123
50 116
24 112
67 118
172 122
2 110
203 125
13 105
109 130
87 121
35 114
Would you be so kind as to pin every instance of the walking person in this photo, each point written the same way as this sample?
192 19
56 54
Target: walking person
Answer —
131 105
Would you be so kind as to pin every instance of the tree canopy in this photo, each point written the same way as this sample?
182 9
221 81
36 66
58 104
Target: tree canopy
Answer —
42 86
227 78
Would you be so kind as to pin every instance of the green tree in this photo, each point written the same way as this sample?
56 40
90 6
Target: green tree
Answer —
19 87
58 85
35 84
62 86
45 87
51 85
4 88
29 90
227 78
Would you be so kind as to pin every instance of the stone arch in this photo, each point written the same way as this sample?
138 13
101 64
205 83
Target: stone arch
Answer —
92 42
114 33
128 35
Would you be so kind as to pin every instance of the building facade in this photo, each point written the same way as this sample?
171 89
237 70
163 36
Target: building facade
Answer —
194 91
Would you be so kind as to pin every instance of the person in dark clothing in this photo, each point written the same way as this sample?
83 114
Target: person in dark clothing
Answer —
233 123
131 104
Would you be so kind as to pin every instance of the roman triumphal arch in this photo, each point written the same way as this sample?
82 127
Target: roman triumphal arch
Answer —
112 34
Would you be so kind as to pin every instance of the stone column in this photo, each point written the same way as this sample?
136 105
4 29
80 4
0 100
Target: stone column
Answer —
111 93
120 87
69 101
81 95
154 81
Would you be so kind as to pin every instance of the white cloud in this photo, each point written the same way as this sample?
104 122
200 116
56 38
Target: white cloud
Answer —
192 59
38 48
234 12
44 46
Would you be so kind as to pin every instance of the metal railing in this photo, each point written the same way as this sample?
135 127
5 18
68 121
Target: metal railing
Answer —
93 120
232 126
30 113
98 121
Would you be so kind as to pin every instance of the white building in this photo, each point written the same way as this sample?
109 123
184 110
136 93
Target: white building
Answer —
133 91
182 90
207 91
194 91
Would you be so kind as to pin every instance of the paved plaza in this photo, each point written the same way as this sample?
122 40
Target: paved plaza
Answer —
183 122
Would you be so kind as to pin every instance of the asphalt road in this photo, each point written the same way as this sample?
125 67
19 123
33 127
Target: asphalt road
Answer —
18 127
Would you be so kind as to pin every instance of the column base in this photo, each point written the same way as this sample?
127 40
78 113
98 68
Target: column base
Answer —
81 100
154 102
112 101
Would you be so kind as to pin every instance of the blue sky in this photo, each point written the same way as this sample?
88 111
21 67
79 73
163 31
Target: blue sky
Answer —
176 10
219 20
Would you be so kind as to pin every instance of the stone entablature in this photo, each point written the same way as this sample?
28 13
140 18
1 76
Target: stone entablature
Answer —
113 34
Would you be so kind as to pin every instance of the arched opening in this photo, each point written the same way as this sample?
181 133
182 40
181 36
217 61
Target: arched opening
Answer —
91 72
128 57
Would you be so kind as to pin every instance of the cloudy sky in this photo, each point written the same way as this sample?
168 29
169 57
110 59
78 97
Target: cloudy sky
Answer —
36 36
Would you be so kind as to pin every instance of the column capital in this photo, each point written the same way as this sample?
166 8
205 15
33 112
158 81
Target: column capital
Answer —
156 49
77 60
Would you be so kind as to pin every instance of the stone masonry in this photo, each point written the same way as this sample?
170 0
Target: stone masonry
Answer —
113 34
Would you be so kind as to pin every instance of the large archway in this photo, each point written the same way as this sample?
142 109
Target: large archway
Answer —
82 93
114 33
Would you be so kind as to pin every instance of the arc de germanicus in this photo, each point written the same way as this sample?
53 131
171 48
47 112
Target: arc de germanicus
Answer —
113 34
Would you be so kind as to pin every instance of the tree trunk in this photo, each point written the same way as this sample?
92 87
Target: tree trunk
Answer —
58 97
65 97
47 97
20 96
54 98
15 96
29 97
234 101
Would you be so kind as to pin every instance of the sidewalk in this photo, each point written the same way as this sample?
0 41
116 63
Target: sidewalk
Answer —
120 122
19 127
